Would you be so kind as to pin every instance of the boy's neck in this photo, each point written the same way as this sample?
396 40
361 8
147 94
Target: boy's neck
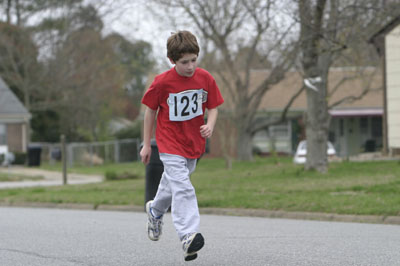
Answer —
181 75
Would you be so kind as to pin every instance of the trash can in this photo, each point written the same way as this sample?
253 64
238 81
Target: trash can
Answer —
370 145
34 153
154 170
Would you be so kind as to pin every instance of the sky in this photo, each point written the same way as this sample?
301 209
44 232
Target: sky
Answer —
136 21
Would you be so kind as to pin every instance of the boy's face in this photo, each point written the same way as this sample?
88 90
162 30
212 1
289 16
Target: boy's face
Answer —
186 65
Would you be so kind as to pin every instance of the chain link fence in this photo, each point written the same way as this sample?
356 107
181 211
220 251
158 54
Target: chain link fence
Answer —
92 153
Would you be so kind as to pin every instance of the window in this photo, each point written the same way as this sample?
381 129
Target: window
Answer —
376 127
3 139
364 125
341 127
279 131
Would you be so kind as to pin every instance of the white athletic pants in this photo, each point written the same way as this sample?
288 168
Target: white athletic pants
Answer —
177 191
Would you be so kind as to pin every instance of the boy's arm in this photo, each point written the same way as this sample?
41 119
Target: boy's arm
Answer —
207 129
149 117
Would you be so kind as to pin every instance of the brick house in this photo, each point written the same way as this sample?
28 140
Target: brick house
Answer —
14 120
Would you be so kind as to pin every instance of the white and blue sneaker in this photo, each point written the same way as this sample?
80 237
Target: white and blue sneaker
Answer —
154 224
191 244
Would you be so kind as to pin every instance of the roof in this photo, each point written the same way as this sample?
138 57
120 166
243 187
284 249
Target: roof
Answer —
377 38
385 29
279 95
11 109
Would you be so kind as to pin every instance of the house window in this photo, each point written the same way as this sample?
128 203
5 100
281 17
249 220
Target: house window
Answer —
364 125
376 127
279 131
341 127
3 139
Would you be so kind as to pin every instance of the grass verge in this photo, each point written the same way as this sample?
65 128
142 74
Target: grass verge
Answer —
365 188
9 177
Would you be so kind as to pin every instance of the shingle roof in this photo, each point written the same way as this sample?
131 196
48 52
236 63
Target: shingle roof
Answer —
280 94
386 29
10 107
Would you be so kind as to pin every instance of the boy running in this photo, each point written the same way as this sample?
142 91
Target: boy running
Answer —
179 98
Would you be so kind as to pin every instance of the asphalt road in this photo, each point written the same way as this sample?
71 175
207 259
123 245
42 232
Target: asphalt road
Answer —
31 236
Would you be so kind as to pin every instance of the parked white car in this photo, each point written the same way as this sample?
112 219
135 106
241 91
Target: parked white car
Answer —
301 152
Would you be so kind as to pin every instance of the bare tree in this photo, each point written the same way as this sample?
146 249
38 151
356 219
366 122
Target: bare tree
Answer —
327 30
239 33
62 64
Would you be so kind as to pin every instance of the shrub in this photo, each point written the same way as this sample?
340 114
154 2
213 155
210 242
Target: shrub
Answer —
131 132
112 175
20 158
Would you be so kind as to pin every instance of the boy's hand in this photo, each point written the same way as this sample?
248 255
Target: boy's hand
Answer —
206 131
145 154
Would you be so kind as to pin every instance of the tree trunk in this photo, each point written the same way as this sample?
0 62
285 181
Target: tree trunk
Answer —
18 11
8 11
245 146
316 66
317 125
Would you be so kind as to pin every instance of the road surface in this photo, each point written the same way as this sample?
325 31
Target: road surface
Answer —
34 236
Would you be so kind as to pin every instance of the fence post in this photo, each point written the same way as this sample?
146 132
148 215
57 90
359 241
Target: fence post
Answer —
91 154
50 149
64 159
70 154
116 151
138 148
106 152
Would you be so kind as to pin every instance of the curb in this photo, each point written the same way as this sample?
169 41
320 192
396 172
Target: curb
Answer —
332 217
375 219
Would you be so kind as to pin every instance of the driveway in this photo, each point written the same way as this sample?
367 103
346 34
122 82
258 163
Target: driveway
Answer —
51 178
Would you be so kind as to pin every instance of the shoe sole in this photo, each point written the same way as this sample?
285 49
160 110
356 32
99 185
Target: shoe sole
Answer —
196 245
191 257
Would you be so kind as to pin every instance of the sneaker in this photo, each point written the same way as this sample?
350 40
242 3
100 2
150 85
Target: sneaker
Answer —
192 243
154 224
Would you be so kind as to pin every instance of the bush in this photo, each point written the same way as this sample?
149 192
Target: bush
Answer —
112 175
20 158
131 132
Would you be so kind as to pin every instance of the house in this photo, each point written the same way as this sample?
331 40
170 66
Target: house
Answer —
387 43
356 122
14 121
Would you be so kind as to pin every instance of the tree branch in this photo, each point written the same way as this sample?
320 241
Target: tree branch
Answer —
282 118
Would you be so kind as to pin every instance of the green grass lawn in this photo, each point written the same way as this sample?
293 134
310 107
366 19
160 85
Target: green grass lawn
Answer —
369 188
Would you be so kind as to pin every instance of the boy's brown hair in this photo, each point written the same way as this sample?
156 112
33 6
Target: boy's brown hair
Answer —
180 43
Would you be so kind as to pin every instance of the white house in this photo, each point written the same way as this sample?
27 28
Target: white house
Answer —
387 42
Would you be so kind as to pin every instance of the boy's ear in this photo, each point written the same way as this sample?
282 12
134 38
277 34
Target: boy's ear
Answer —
172 61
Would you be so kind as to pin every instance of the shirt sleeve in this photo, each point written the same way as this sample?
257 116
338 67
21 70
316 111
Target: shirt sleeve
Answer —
151 96
214 95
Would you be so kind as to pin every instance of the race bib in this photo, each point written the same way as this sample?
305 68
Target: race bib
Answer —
185 105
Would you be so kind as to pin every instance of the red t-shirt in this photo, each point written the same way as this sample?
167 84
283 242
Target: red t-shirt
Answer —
181 103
